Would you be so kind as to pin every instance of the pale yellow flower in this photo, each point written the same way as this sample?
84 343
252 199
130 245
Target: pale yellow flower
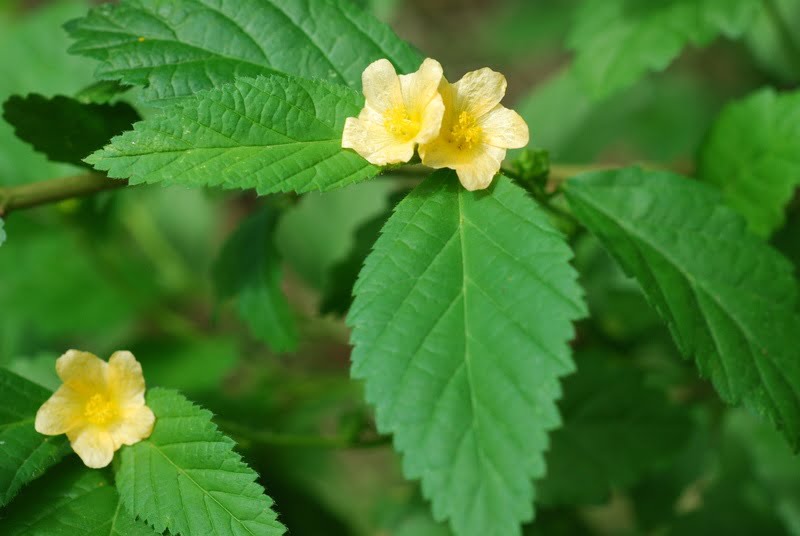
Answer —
476 129
100 406
399 113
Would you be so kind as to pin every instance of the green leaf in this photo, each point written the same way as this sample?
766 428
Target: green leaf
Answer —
2 232
101 92
775 466
729 299
770 47
733 498
32 40
249 268
338 294
26 452
618 41
72 500
64 129
187 478
180 48
753 156
460 326
39 369
273 134
616 429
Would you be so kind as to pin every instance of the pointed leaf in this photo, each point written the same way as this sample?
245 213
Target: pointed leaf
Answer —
273 134
27 454
729 299
186 477
618 41
2 232
64 129
460 325
185 46
753 156
249 268
73 500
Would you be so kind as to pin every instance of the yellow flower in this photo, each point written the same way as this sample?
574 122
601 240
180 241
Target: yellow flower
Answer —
400 112
476 129
100 406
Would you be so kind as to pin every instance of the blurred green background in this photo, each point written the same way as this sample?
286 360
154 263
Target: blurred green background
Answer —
131 269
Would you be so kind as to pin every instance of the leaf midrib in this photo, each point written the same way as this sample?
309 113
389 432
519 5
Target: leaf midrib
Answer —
692 282
201 488
699 285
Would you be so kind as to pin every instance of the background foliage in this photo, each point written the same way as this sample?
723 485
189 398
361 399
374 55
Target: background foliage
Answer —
238 302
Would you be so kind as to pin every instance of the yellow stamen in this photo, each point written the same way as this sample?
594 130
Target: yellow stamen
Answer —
465 133
398 122
99 410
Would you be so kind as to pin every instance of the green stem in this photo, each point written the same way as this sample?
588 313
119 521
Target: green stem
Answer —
544 198
52 191
791 47
271 439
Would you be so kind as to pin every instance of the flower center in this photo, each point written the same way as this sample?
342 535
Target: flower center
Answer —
398 122
99 410
465 133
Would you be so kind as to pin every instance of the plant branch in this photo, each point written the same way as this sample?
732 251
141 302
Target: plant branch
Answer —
55 190
296 440
52 191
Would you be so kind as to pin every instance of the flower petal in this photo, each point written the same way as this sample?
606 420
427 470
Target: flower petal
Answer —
421 87
431 121
82 371
373 142
125 379
136 424
478 92
62 412
381 86
94 446
504 128
440 154
482 168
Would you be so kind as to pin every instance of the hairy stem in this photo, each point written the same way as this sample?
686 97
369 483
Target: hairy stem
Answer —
52 191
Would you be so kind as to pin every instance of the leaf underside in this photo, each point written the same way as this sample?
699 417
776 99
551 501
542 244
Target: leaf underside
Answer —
186 477
729 299
64 129
460 327
179 47
273 134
